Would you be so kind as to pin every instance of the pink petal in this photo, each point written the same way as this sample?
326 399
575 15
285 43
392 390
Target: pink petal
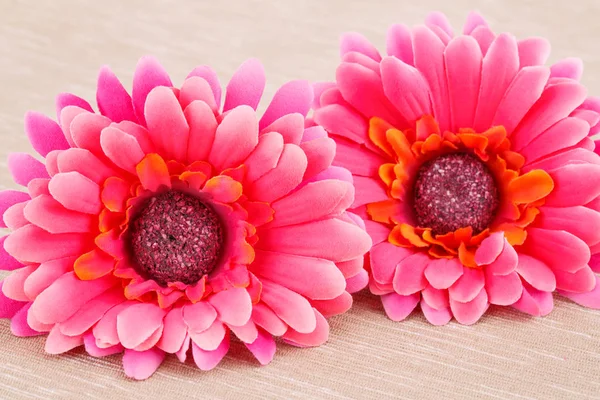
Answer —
8 306
235 138
141 365
369 190
399 43
263 348
85 163
211 338
66 117
500 66
328 197
378 232
533 51
560 250
468 286
536 273
291 128
340 304
148 75
246 333
209 75
7 262
58 343
76 192
438 19
399 79
89 341
506 261
66 296
571 68
463 61
429 60
580 281
357 283
64 100
435 298
266 318
442 273
137 323
199 317
340 120
535 302
317 337
37 187
503 290
589 299
555 103
399 307
409 277
293 97
91 312
24 168
316 279
195 88
46 274
562 135
345 241
51 216
291 307
353 41
207 360
474 20
44 134
167 125
18 323
265 156
203 126
570 190
469 313
580 221
14 217
363 89
9 198
384 259
174 331
13 284
234 306
521 95
490 249
319 153
113 100
121 148
246 85
33 244
348 152
85 131
436 317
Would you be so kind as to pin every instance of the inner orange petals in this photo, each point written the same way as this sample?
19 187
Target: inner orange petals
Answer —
153 172
521 194
93 265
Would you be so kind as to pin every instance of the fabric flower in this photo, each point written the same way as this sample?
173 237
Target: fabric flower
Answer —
473 166
167 222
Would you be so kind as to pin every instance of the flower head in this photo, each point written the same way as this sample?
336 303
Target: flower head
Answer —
167 222
473 166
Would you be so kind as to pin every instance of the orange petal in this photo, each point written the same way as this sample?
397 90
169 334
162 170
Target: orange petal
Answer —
196 292
530 187
110 243
474 141
109 220
259 213
200 166
397 239
387 174
432 144
513 160
194 179
397 191
175 167
495 135
400 145
383 211
93 265
514 235
466 256
115 193
153 172
223 189
237 173
527 217
377 132
440 252
409 233
426 127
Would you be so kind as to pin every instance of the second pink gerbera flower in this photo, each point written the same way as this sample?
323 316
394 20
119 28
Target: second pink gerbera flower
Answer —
166 222
474 169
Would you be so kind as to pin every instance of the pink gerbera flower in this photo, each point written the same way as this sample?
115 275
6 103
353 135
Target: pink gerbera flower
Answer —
167 222
473 166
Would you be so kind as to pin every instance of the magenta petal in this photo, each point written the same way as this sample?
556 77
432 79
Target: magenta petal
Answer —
399 43
560 250
7 262
18 323
503 290
589 299
355 284
474 20
536 273
439 20
89 341
148 75
316 337
58 343
9 198
113 100
535 302
409 277
23 168
506 261
246 85
207 360
436 298
91 313
384 259
209 75
469 313
442 273
266 318
44 134
141 365
533 51
8 306
263 347
468 286
51 216
581 281
293 97
569 189
353 41
174 331
76 192
490 249
291 307
571 68
399 307
436 317
64 100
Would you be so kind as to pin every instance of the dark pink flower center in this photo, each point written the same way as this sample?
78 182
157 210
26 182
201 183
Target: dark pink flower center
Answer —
176 238
455 191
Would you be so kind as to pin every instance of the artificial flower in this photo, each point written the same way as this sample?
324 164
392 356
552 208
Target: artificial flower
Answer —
473 166
168 223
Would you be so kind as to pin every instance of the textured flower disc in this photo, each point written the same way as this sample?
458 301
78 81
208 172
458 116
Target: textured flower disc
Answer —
455 191
176 238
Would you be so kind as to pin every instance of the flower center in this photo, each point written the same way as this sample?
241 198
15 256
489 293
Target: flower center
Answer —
176 238
455 191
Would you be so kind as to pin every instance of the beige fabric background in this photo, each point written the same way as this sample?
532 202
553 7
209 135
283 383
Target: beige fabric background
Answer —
49 46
